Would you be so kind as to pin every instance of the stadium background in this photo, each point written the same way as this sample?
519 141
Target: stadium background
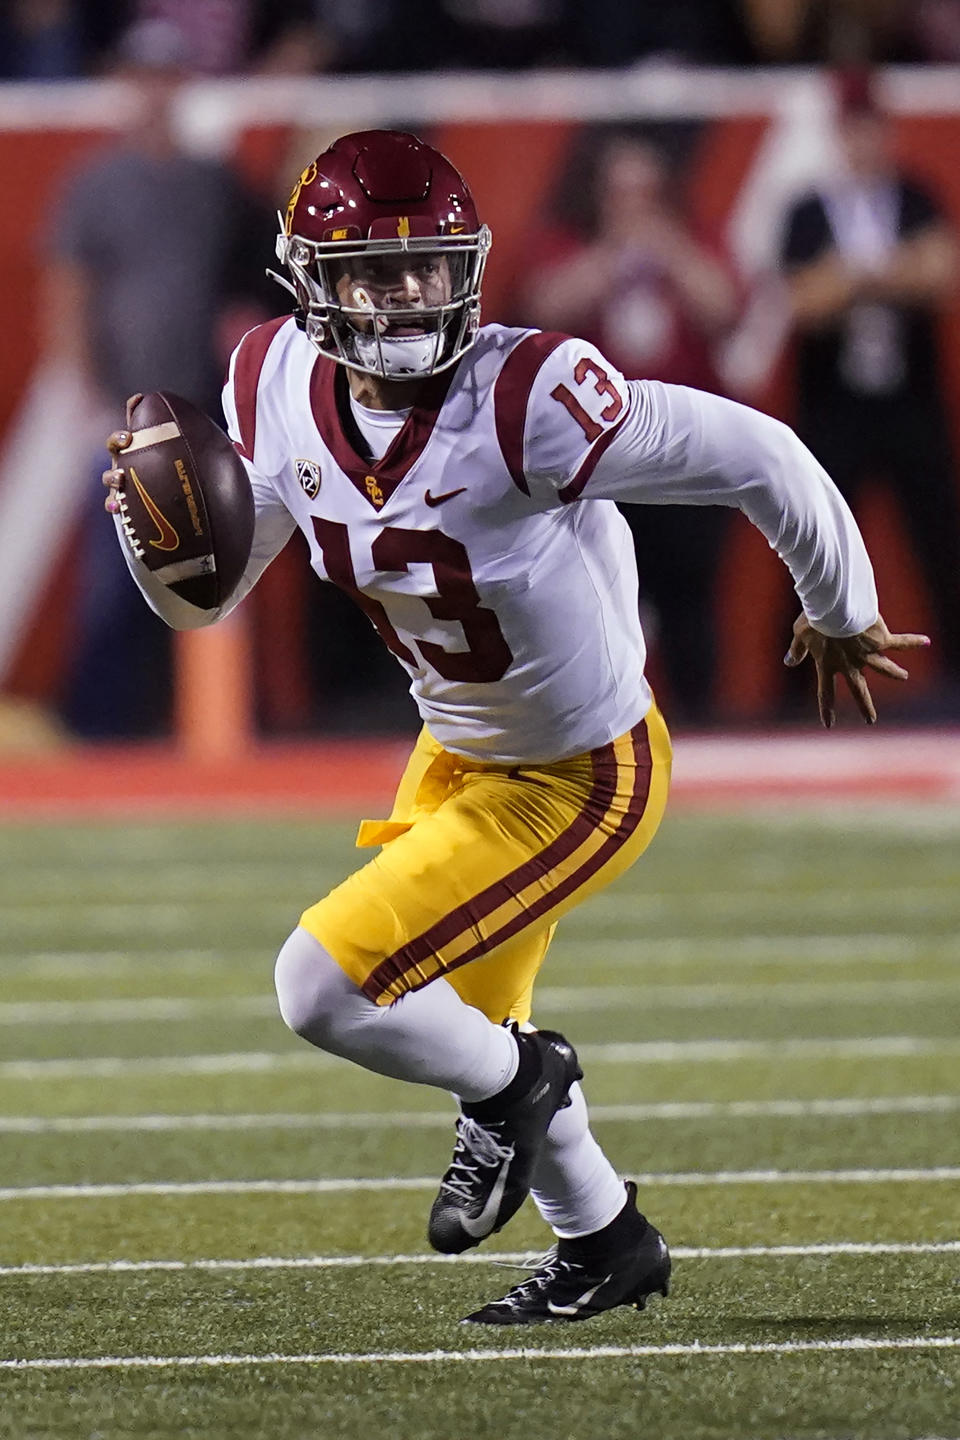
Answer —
769 1010
749 142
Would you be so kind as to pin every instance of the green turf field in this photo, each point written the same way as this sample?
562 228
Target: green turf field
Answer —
769 1014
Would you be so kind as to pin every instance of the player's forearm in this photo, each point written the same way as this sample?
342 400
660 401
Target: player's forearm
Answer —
683 446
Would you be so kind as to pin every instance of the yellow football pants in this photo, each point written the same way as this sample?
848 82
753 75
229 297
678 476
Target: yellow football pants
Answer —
478 862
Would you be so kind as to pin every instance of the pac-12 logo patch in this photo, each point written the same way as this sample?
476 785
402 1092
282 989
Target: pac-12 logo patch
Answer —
308 473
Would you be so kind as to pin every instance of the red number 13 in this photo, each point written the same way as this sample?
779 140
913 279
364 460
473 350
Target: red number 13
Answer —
488 655
604 386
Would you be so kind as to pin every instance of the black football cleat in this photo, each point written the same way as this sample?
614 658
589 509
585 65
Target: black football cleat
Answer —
567 1286
494 1157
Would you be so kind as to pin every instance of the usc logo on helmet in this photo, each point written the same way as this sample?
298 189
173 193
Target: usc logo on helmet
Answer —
306 178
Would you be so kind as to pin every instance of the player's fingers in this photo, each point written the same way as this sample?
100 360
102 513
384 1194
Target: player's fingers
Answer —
797 651
907 642
113 479
119 440
132 404
885 666
861 693
825 696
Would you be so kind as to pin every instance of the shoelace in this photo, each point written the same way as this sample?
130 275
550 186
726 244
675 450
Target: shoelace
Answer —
549 1267
477 1147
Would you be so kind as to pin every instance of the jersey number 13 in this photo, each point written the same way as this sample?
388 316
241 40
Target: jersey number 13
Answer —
488 655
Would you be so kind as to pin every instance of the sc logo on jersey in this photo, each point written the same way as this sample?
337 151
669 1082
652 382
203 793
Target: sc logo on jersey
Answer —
308 473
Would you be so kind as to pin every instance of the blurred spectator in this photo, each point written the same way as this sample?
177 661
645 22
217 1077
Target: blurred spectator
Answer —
40 40
611 33
937 30
841 32
216 33
655 297
156 260
871 261
507 34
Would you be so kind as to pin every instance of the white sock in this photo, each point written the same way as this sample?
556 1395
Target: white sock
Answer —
575 1188
429 1036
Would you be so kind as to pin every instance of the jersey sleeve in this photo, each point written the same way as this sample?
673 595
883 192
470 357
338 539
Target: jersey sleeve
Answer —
677 446
246 408
559 404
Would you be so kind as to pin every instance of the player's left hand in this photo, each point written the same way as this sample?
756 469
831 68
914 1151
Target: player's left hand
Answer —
849 657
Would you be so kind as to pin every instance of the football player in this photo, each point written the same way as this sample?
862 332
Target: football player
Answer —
458 481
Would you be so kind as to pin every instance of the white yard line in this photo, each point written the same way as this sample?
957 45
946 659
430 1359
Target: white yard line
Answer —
890 947
724 993
577 998
506 1257
442 1119
67 964
689 1051
629 1053
428 1182
434 1357
148 1010
164 915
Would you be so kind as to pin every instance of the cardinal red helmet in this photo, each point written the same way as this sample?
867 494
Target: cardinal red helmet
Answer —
386 253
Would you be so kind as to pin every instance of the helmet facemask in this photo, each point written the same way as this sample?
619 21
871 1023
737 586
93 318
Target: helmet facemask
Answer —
352 297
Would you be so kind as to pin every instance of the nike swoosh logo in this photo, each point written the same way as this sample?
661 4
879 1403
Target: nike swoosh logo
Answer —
167 537
480 1227
434 500
581 1302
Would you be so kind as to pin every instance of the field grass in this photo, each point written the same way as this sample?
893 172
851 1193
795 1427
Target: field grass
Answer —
768 1010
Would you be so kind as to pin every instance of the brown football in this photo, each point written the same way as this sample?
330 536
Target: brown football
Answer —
186 505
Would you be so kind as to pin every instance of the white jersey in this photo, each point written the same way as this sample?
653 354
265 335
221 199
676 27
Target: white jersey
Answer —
485 545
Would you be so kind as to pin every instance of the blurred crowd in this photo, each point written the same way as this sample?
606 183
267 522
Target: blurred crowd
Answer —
867 262
59 39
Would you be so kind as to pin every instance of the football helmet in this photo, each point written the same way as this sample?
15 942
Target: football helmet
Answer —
385 252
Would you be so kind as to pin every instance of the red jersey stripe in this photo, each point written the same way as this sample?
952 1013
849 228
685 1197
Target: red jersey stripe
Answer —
573 488
511 393
246 378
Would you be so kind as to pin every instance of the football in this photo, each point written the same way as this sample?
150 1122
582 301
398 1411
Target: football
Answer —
186 506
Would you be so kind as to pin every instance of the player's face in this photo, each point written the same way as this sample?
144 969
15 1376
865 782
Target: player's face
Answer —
395 282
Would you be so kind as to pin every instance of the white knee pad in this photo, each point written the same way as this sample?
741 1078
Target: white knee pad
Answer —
312 990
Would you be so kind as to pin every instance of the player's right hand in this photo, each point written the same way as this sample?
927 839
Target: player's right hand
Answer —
114 477
849 656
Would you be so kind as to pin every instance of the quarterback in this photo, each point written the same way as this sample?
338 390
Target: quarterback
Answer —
458 480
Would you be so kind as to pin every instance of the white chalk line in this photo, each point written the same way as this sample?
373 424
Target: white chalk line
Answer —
168 916
149 1010
890 947
442 1119
629 1053
505 1257
73 964
861 1343
356 1184
576 998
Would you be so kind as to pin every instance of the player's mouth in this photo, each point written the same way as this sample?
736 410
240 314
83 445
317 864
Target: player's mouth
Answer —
400 329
